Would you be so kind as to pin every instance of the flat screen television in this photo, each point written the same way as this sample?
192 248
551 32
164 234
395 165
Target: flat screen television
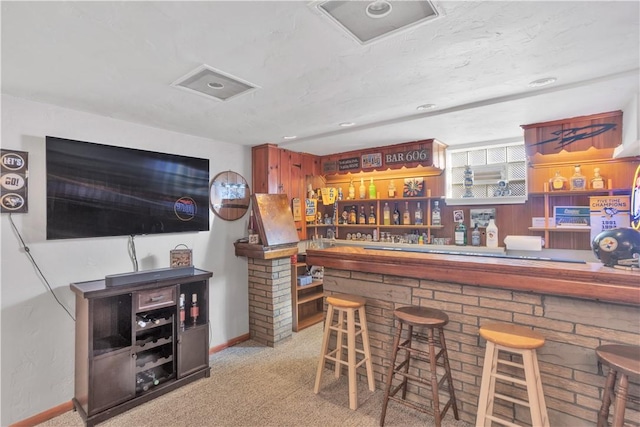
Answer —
96 190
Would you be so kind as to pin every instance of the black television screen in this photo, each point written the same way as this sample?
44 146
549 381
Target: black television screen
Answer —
96 190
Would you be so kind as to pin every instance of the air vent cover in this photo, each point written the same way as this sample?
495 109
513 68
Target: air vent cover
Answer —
213 83
368 21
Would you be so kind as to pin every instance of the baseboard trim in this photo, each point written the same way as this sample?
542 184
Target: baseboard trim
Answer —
68 406
230 343
45 416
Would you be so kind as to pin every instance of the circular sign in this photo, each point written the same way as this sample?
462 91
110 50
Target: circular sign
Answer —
12 201
12 181
12 161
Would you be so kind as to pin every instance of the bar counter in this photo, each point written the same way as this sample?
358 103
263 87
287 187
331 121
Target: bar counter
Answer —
575 306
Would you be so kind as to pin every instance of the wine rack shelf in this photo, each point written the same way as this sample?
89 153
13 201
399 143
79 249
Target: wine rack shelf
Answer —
131 345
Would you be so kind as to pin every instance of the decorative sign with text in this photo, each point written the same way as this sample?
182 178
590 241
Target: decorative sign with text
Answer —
349 164
371 161
15 172
609 212
422 155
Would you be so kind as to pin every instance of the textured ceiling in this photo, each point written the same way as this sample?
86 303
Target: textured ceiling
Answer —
119 59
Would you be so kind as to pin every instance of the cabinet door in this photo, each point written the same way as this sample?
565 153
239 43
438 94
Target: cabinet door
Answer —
193 350
112 380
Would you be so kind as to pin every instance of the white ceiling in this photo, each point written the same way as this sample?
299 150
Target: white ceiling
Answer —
118 59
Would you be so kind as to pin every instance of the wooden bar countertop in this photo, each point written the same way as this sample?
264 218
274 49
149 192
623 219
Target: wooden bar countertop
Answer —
592 281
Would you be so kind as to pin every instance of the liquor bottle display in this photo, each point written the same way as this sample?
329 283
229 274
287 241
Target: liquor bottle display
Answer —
460 234
577 180
417 215
372 190
391 190
475 236
352 190
396 215
492 234
372 215
435 214
386 214
182 312
406 215
597 182
362 218
195 310
558 182
363 189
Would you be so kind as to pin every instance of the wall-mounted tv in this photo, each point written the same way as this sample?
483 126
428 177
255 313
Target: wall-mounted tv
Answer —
96 190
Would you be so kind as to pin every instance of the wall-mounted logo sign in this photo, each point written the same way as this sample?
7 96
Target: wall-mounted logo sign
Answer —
14 174
185 208
565 137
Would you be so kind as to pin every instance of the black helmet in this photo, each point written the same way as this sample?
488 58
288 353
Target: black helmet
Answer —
620 246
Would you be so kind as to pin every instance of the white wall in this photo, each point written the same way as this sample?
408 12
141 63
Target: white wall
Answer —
37 354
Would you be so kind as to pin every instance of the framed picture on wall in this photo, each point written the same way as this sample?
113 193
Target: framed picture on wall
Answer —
481 217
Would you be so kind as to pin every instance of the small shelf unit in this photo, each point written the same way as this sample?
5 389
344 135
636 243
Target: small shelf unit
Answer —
306 300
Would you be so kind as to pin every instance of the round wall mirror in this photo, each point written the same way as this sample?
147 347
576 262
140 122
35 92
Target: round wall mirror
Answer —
229 195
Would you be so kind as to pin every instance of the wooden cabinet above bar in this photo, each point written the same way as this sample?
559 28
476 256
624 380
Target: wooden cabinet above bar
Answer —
592 281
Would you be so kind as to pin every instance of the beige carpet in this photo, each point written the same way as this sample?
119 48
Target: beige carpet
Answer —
253 385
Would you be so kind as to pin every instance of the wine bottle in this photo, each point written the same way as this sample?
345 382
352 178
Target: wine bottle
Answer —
352 190
362 218
182 312
391 189
372 190
142 321
363 190
372 215
195 311
406 215
386 214
396 215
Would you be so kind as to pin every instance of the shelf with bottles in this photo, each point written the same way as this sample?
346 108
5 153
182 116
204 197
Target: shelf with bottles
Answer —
191 312
153 319
153 377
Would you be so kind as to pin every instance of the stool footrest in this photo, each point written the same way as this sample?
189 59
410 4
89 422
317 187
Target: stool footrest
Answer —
509 379
418 407
512 399
501 421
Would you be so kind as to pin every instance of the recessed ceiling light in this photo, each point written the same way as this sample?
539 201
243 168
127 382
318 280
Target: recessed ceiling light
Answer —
289 137
378 9
215 85
542 82
424 107
346 124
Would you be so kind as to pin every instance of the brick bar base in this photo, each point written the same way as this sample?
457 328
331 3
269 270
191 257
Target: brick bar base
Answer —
270 300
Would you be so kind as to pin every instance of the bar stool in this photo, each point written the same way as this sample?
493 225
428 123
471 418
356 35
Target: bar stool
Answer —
623 360
349 305
429 320
512 339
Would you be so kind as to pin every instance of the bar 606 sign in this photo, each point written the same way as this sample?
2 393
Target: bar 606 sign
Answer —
422 155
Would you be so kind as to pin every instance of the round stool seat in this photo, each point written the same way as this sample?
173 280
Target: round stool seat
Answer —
346 301
624 358
422 316
509 335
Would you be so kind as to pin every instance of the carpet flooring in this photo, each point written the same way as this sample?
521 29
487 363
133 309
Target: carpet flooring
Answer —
254 385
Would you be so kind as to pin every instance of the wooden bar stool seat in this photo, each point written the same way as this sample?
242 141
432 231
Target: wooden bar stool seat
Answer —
623 361
513 339
428 321
347 307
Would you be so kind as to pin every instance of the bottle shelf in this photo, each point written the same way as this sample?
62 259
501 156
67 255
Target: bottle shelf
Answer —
151 324
151 342
150 361
562 229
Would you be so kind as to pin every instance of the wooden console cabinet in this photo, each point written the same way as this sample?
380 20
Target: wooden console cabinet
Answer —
131 345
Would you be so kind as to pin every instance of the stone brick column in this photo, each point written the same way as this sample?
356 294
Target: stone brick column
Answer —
270 300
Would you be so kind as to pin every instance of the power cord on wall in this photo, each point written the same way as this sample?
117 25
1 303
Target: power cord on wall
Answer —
132 253
27 251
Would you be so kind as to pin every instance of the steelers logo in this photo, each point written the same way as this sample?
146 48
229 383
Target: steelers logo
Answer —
608 244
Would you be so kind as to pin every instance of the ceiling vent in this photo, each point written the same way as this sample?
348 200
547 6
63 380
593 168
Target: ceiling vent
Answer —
369 21
212 83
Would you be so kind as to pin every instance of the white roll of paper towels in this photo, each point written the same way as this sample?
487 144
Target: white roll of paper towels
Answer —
523 243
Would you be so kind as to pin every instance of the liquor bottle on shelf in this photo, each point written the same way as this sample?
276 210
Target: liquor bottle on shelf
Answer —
577 180
352 190
406 215
344 217
435 214
182 312
353 216
340 195
362 218
386 214
396 215
460 234
475 236
391 190
142 321
363 189
417 215
492 234
195 311
597 182
558 182
372 190
372 215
